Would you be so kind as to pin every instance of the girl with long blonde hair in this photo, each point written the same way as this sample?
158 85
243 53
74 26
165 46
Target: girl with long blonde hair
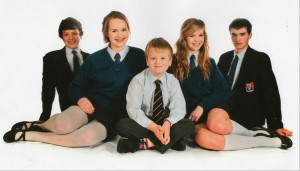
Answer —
203 85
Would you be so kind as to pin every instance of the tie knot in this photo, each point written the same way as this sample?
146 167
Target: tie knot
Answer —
74 52
117 58
192 58
157 82
236 58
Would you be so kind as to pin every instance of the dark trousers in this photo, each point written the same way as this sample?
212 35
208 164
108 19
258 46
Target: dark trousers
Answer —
130 129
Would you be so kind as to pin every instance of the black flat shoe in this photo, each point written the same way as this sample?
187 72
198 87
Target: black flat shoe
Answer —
272 132
128 145
23 125
10 136
286 142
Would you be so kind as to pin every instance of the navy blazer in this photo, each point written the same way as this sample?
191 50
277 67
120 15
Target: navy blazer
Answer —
255 97
57 74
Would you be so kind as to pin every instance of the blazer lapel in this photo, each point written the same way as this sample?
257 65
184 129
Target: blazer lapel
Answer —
64 61
228 64
244 68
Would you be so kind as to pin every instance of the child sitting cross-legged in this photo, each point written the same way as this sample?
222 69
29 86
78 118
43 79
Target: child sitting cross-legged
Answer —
155 105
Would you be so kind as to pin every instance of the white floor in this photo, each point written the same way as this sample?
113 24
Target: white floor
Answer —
39 156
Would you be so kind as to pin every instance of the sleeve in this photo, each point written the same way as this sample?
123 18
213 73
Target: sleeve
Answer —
177 102
134 99
48 87
270 95
221 65
220 89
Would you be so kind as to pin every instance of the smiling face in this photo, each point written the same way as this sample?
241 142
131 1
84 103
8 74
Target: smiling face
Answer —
118 34
196 40
71 38
158 61
240 38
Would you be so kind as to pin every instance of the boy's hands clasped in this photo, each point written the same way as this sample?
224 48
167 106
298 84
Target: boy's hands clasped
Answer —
161 132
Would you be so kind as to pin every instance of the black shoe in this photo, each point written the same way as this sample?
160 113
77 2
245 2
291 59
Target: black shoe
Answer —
190 140
286 142
23 125
270 131
9 136
179 145
129 145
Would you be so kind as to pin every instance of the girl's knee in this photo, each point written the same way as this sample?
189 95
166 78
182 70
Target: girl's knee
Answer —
219 122
202 138
92 137
221 128
209 140
61 126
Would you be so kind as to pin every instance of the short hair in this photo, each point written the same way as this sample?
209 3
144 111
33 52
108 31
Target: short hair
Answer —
69 24
159 43
105 23
239 23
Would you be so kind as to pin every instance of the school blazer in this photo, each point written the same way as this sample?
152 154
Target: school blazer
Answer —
254 98
57 74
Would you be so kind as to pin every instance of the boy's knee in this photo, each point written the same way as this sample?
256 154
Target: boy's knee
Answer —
123 125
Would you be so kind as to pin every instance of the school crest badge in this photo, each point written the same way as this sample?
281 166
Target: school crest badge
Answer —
249 87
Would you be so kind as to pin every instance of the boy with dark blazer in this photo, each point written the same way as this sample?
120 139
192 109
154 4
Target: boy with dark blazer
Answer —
254 96
58 67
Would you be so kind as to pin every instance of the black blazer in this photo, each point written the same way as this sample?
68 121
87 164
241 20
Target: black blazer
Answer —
57 74
254 98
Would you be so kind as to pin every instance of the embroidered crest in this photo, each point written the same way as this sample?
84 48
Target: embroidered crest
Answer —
249 87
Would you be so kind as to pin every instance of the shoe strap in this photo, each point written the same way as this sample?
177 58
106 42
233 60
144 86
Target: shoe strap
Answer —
22 136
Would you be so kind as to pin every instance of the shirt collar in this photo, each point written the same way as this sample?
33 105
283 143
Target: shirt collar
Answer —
122 52
193 53
241 54
69 51
152 78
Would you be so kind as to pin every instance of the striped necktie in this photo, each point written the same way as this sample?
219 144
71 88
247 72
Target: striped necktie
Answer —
158 106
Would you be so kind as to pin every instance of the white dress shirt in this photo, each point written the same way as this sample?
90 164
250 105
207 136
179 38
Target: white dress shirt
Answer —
140 95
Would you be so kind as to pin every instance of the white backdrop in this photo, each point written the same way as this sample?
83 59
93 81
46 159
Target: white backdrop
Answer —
28 30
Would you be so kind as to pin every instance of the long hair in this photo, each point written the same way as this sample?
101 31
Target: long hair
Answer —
182 69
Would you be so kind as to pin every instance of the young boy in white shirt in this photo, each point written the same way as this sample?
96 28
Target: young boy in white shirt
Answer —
152 122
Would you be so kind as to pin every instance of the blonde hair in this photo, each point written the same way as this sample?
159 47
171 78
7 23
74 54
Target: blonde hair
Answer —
105 23
159 43
181 68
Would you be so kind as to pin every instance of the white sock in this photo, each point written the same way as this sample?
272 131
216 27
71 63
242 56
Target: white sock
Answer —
240 130
238 142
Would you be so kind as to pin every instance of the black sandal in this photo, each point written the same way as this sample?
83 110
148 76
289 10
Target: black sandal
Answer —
20 125
9 137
